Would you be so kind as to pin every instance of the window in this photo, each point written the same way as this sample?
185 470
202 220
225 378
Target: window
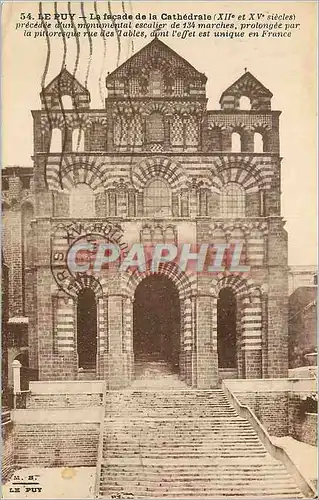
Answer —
156 84
82 202
134 88
179 87
157 199
67 102
155 128
232 200
56 141
236 146
78 140
258 143
244 103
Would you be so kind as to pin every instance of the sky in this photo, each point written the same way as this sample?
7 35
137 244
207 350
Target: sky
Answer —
287 66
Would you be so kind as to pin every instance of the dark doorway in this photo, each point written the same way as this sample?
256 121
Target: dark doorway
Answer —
87 329
157 321
226 329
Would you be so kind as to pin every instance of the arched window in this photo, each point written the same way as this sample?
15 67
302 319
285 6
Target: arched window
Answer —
244 103
258 143
82 202
236 142
157 199
78 140
56 141
232 202
67 102
156 83
155 128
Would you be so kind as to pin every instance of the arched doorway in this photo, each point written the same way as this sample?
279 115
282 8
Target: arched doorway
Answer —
226 331
156 322
87 329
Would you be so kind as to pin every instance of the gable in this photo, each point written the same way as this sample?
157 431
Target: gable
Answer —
156 56
247 85
65 83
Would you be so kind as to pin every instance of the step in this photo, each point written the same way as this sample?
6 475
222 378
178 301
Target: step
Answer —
259 490
192 444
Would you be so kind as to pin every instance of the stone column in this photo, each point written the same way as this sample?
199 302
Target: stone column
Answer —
16 368
117 376
277 300
251 339
207 373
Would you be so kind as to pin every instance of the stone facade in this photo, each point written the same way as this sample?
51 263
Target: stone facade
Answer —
154 166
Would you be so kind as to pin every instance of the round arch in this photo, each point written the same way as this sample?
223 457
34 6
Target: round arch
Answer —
248 319
186 287
150 168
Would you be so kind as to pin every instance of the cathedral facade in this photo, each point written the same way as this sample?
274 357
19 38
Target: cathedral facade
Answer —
153 166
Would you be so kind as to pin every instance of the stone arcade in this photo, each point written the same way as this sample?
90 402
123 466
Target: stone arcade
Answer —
157 166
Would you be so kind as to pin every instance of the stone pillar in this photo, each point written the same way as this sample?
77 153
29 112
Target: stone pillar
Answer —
277 300
101 337
193 202
264 327
121 203
226 140
116 376
187 341
167 132
128 339
251 338
207 373
16 369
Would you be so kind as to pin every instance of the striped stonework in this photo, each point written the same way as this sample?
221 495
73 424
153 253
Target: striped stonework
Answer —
63 324
158 167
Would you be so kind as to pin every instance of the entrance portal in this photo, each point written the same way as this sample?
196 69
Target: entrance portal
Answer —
87 329
157 321
226 329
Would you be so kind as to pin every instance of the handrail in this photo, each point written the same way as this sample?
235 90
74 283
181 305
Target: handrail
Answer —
276 451
100 448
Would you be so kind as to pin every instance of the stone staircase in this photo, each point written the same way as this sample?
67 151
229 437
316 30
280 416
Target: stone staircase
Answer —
184 444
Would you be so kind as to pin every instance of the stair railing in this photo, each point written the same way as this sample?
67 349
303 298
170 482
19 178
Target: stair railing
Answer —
100 448
276 451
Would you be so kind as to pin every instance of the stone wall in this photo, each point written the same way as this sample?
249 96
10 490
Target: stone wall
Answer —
271 409
56 445
301 426
8 450
277 403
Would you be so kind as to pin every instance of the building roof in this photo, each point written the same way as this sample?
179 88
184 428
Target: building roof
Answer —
153 48
247 84
64 78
